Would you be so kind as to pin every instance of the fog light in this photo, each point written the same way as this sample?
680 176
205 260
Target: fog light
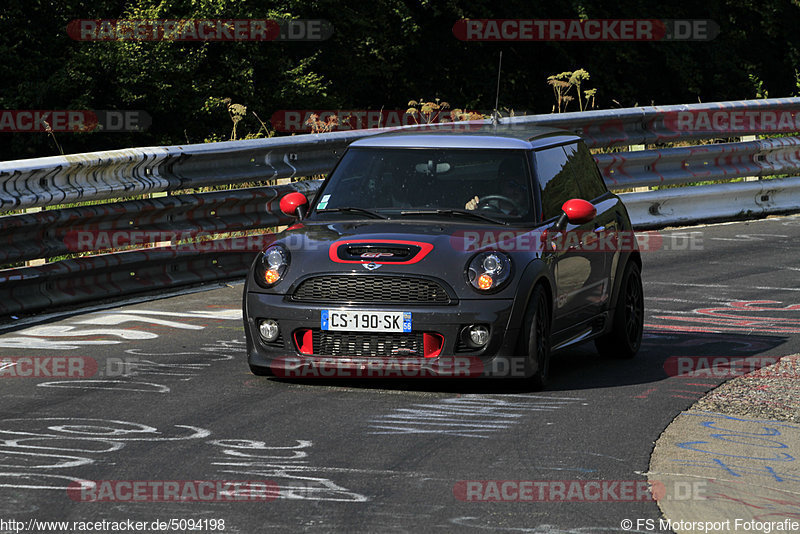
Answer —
478 335
268 328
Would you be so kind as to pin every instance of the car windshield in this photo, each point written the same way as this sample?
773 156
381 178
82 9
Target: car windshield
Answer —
399 182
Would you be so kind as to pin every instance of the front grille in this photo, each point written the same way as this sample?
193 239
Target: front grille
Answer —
371 289
355 344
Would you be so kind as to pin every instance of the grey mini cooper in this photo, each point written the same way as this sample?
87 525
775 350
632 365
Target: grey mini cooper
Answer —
479 252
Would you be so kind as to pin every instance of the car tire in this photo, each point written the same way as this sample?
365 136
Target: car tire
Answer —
261 371
625 337
537 338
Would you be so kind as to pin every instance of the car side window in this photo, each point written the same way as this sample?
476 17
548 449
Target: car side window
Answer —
580 161
556 180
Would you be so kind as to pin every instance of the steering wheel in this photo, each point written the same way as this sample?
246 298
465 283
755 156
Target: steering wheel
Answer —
495 203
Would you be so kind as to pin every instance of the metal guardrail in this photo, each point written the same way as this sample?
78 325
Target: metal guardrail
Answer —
710 203
700 163
46 234
113 275
655 124
156 221
125 173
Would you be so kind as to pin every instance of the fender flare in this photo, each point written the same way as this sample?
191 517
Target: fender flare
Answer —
537 271
621 264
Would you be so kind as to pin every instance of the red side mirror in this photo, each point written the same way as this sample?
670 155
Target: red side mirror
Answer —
294 205
579 211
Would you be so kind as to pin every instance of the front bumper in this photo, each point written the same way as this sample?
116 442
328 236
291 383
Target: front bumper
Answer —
498 357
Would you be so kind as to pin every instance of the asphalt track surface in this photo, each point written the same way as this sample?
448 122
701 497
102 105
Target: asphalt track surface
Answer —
172 399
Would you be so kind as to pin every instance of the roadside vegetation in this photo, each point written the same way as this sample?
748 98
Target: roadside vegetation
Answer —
378 55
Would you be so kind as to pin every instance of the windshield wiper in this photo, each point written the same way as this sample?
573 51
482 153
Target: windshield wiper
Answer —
452 212
373 214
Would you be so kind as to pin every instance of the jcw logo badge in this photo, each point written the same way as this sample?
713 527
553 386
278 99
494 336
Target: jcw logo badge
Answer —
366 255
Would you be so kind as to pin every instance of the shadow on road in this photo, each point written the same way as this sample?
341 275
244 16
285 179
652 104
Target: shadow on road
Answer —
712 357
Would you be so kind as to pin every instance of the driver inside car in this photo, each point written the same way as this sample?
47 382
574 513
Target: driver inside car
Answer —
511 178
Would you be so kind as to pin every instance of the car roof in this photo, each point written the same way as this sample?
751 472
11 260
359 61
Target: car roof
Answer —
469 135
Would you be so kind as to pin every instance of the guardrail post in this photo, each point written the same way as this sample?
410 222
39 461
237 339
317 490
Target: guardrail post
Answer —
743 139
638 148
159 195
37 261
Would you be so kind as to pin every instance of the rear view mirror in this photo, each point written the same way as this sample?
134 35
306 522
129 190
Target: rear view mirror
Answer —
430 168
294 205
579 211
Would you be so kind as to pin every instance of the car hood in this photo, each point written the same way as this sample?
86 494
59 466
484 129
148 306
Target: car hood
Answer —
421 248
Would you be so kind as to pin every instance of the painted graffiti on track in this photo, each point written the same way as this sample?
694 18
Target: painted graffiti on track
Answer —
123 369
48 453
469 416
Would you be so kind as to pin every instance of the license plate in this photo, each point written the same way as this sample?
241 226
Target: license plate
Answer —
366 321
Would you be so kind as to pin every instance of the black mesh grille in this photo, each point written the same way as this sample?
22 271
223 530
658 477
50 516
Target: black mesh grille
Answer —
370 289
397 253
366 344
278 343
461 346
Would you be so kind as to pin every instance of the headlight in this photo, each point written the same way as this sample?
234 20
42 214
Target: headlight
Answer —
488 271
273 265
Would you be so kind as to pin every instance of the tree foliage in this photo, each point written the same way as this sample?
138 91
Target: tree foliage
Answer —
381 53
